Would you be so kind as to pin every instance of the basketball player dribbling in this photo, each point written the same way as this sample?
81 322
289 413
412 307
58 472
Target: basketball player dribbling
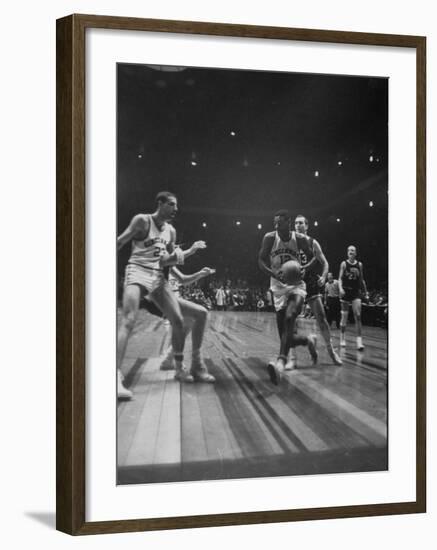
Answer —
278 247
351 283
316 268
153 249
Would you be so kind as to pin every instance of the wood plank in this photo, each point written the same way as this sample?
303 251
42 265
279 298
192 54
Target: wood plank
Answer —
168 442
253 436
220 441
193 439
364 423
130 412
329 427
142 449
310 440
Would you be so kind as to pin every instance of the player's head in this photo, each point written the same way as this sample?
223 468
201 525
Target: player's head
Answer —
281 220
351 252
330 277
301 224
167 205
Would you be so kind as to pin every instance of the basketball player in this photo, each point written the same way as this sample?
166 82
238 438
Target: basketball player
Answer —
278 247
195 319
316 268
153 249
351 282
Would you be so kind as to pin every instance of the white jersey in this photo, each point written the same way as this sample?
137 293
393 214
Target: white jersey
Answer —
281 252
147 252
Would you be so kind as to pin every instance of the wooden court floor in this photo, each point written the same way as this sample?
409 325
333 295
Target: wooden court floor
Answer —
321 419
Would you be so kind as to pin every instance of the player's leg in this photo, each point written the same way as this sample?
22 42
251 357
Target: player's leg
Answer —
343 322
168 361
292 359
295 338
167 302
131 302
291 338
274 367
356 309
337 312
318 311
329 311
280 305
196 316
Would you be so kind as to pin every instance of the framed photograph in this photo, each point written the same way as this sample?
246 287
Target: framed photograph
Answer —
240 274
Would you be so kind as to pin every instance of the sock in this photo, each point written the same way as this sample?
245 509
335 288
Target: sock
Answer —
178 357
195 356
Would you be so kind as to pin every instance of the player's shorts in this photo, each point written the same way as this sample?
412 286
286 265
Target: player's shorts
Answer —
282 293
313 288
147 278
350 295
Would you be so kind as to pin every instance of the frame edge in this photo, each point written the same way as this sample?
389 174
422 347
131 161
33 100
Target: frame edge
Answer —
70 278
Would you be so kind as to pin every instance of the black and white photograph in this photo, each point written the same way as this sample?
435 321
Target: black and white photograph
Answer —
252 291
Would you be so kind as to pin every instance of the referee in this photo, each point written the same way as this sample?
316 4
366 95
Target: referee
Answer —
332 300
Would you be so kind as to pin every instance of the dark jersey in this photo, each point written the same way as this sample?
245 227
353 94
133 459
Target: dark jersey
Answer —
306 254
351 276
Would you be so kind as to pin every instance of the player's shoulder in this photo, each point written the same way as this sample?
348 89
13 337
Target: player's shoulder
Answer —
141 220
303 238
140 226
268 239
270 235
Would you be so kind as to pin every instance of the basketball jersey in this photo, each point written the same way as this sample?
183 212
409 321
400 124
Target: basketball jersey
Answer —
283 251
147 252
306 254
351 276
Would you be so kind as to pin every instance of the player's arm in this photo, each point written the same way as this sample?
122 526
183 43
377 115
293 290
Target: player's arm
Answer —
318 254
139 226
264 254
340 279
189 279
176 256
197 245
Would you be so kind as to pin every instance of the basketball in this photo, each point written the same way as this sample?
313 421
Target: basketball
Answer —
291 272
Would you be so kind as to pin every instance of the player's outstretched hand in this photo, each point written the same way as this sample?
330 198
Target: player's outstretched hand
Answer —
207 271
198 245
321 281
